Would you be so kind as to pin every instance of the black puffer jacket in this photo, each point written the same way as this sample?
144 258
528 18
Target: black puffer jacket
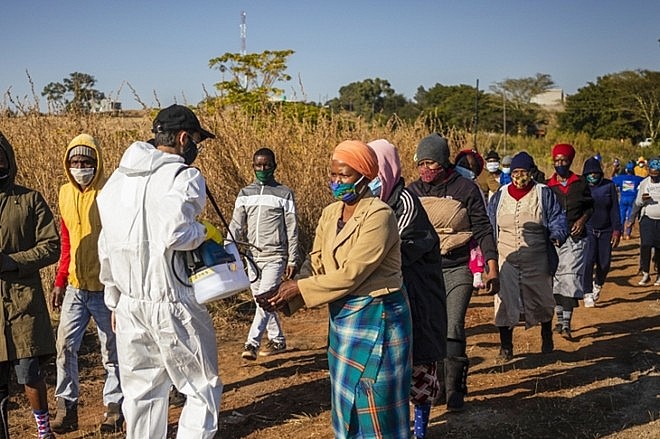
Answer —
422 276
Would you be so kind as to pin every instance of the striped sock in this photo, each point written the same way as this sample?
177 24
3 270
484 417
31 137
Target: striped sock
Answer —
559 311
43 422
422 413
567 319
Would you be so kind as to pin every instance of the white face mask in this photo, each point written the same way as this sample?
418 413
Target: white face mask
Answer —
506 170
492 166
83 176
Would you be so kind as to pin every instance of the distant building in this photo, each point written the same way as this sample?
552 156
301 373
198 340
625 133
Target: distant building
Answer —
552 99
106 105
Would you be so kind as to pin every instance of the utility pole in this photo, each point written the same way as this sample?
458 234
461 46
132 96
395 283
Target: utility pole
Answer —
476 116
243 28
243 33
504 118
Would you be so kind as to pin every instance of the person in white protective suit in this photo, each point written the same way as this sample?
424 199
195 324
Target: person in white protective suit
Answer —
148 209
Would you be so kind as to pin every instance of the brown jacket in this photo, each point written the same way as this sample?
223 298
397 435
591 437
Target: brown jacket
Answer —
364 258
28 241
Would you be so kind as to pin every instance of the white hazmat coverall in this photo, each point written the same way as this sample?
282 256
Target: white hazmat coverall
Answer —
148 208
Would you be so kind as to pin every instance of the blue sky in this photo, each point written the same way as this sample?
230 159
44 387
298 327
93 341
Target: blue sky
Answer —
162 48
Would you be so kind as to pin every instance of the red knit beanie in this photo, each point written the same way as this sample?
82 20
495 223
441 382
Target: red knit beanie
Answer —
564 149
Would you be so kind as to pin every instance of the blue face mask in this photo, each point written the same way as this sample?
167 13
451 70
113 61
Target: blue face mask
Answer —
376 185
562 171
465 172
345 191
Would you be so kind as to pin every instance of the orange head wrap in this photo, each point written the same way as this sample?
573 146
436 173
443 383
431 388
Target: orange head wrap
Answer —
564 149
359 156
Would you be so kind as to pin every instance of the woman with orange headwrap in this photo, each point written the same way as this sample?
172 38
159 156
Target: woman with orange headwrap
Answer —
355 267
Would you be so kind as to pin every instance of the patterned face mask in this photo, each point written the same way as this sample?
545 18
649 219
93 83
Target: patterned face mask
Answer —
345 192
430 175
520 181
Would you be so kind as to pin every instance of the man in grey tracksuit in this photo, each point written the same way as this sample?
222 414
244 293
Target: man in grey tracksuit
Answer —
265 215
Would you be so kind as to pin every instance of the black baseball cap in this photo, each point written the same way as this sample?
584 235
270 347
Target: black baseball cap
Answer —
177 117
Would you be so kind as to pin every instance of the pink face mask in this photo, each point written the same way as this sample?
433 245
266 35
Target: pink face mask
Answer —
429 175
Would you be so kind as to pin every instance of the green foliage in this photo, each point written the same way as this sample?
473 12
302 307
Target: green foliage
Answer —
454 106
253 77
623 105
75 94
517 94
372 99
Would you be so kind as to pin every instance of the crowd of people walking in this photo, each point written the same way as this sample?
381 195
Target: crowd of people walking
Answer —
395 263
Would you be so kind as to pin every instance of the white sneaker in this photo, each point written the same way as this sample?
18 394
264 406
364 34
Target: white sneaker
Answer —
657 281
588 300
645 279
596 291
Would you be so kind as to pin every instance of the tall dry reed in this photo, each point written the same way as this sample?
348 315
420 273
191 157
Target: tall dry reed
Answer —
302 148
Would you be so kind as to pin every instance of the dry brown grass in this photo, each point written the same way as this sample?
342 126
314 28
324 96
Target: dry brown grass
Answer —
303 149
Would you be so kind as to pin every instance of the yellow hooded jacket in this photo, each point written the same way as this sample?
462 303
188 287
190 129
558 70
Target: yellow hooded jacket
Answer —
80 217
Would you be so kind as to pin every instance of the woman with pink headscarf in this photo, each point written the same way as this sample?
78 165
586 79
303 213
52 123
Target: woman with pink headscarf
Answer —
355 268
422 277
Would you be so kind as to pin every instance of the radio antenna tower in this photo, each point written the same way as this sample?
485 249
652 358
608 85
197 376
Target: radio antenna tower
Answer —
243 33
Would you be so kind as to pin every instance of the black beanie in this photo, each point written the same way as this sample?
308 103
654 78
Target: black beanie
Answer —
433 147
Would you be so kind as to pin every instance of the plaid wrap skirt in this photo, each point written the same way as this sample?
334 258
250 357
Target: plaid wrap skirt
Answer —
370 364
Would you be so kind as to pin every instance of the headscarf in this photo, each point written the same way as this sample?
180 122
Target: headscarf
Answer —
389 166
359 156
479 161
564 149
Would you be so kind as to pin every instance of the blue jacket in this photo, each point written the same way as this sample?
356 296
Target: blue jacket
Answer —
606 214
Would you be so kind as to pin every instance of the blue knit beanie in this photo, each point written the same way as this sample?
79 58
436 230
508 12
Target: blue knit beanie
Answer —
522 160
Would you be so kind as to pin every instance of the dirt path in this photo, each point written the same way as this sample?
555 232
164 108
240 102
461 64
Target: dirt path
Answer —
603 383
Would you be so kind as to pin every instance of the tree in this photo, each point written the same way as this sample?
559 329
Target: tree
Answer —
517 95
519 92
618 105
253 76
454 106
370 98
76 93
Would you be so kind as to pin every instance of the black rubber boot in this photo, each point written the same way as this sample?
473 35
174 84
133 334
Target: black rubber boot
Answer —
456 370
547 345
506 343
4 422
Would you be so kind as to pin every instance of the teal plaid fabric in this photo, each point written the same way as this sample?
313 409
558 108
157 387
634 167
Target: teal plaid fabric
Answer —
369 358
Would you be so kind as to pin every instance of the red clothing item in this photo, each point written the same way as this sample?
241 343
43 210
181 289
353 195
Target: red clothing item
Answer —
516 193
572 178
62 276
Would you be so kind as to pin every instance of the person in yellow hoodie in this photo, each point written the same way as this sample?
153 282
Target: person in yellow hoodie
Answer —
642 169
78 293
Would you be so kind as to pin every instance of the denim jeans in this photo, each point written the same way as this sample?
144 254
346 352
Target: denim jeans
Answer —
270 277
77 309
